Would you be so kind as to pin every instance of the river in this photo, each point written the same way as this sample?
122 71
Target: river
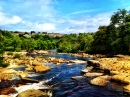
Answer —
65 86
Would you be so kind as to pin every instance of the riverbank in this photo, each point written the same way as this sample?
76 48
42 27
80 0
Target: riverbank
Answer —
24 64
116 68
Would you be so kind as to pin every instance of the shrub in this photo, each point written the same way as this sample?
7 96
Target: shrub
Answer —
9 53
18 49
10 48
4 64
16 56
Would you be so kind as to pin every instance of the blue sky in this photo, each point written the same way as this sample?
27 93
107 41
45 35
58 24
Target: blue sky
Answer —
60 16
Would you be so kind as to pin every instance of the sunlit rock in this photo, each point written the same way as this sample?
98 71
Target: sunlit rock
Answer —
34 93
41 69
93 74
36 63
123 78
100 81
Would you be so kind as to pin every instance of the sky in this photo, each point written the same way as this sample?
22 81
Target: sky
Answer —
58 16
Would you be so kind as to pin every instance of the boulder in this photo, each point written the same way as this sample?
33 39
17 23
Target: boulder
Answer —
101 80
41 69
36 63
33 93
7 74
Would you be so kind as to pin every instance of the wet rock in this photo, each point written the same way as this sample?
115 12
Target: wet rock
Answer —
100 81
36 63
93 74
93 62
28 80
127 88
33 93
5 84
7 91
79 78
87 69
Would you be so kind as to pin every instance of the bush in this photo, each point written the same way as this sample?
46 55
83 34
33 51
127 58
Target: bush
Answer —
9 53
10 48
16 56
18 49
4 64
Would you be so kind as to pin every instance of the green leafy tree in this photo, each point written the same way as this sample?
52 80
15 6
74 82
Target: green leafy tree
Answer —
99 44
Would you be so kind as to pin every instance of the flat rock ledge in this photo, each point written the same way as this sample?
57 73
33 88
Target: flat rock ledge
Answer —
118 67
101 80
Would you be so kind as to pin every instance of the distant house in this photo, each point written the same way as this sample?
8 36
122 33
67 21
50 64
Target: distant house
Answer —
27 35
20 34
55 34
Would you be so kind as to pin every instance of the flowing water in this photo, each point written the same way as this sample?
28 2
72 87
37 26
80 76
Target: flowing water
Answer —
63 71
66 86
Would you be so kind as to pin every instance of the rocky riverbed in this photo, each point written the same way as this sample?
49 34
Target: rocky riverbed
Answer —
109 75
116 68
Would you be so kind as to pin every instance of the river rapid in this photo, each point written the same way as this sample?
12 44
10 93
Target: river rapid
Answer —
68 81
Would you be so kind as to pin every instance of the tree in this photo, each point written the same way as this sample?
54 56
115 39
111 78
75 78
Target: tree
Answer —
99 44
2 47
16 43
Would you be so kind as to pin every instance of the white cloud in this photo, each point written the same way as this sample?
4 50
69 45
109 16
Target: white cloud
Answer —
87 23
82 11
45 27
4 20
77 22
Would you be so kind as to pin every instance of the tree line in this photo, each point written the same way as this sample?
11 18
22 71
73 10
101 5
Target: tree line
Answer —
111 39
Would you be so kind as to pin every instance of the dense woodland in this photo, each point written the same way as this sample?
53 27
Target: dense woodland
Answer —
111 39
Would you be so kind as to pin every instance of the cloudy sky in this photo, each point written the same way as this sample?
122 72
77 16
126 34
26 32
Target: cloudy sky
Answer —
63 16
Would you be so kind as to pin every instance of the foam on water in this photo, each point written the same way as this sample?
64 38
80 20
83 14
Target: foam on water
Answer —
33 75
36 86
